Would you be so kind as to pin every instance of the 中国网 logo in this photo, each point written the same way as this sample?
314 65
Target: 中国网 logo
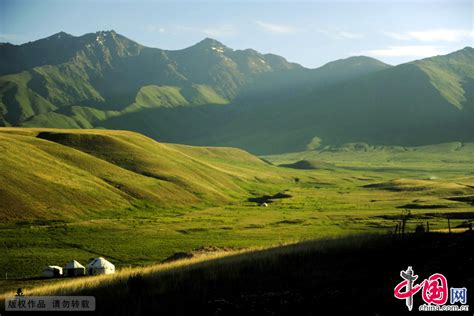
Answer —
434 292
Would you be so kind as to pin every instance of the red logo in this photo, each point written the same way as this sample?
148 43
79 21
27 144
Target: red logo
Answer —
435 288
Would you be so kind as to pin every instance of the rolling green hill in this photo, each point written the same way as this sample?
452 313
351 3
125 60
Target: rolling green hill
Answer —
43 170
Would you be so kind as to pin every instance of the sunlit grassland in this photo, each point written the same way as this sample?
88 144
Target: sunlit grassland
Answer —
364 192
140 236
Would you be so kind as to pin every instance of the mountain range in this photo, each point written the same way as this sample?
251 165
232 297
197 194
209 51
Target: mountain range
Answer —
210 94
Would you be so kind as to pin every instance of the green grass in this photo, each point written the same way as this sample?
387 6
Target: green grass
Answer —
72 117
199 94
154 96
19 102
447 156
138 202
43 170
448 75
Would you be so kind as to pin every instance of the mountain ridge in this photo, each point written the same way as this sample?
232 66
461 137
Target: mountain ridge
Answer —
259 102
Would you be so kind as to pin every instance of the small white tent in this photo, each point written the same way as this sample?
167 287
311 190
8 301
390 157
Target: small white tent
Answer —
100 266
74 268
52 271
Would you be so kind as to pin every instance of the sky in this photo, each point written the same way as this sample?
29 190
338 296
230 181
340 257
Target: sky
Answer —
311 33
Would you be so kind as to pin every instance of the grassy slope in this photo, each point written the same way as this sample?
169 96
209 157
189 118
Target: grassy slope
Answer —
72 117
43 170
449 73
18 101
172 96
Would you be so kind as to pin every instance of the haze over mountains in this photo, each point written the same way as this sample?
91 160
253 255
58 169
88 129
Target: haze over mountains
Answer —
209 94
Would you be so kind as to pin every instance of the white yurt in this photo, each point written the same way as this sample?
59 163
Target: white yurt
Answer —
52 271
100 266
74 268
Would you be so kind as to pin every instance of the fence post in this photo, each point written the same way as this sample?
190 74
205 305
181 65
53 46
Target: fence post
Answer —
404 217
449 225
427 226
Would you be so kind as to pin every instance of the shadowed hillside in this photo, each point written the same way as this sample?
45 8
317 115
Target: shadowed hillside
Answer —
419 103
326 276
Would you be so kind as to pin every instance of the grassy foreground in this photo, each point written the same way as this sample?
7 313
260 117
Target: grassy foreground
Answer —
356 273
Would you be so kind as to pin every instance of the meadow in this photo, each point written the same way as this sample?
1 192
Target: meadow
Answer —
351 190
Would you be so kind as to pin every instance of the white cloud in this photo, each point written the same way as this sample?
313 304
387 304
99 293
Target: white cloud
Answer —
350 35
405 51
447 35
213 31
340 34
397 36
223 30
7 37
276 28
155 29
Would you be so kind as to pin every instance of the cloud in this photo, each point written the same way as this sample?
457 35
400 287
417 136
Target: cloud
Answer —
276 28
350 35
405 51
213 31
223 30
397 36
8 37
340 34
155 29
447 35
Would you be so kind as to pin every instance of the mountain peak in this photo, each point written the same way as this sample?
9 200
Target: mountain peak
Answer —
107 32
211 44
465 50
209 41
356 61
60 35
